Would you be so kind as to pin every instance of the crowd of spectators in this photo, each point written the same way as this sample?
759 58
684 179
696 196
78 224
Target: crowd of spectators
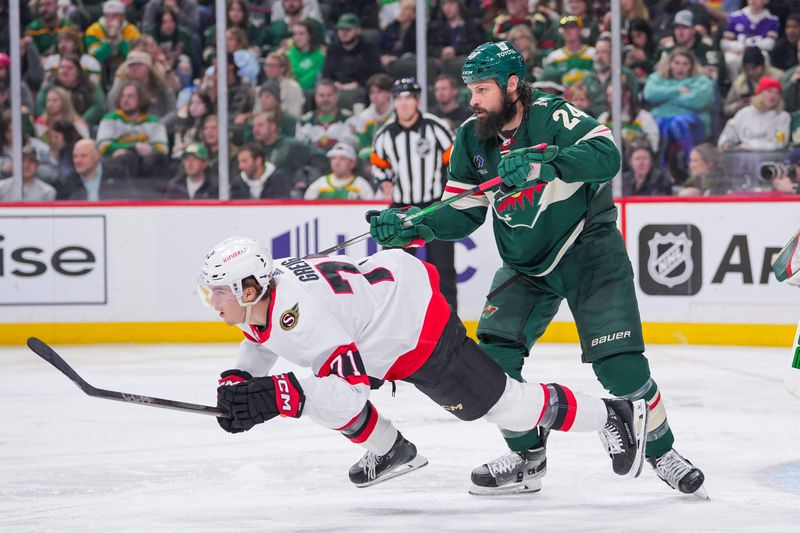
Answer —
119 97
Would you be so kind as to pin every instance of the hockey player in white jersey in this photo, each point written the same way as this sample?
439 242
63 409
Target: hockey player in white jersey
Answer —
353 322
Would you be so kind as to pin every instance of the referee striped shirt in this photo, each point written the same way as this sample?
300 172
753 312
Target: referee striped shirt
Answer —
414 159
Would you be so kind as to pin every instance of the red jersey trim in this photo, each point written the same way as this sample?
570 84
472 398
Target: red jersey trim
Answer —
263 336
345 362
436 317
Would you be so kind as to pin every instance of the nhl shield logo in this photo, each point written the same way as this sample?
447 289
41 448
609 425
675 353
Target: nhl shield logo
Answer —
423 147
670 259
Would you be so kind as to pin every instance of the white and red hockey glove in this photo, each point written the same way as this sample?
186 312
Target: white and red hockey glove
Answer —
257 400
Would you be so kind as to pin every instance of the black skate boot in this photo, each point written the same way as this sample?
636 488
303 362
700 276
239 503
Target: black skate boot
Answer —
401 459
679 473
624 435
512 473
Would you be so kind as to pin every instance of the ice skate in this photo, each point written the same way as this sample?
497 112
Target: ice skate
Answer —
401 459
624 435
512 473
679 473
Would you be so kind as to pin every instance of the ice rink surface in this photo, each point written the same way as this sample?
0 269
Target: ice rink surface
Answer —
69 462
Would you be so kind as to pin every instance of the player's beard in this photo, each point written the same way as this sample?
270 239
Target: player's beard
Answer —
493 121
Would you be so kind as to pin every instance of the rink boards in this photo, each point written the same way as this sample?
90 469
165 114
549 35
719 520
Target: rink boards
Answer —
123 272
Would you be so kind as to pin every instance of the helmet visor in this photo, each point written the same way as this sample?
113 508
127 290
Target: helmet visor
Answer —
214 297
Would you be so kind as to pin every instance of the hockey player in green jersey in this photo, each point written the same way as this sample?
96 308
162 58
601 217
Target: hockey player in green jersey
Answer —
554 224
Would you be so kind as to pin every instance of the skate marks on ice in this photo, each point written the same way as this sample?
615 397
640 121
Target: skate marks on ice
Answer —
73 463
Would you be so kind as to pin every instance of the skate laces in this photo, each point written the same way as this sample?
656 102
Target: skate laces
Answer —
505 463
672 467
612 439
369 463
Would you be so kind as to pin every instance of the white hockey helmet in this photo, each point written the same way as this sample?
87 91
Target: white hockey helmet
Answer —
234 260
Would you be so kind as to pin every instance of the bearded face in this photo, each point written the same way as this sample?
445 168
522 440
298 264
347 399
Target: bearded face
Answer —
490 121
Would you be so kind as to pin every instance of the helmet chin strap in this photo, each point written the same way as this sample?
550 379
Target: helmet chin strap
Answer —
248 307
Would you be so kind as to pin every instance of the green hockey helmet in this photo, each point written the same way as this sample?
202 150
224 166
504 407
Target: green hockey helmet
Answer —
496 61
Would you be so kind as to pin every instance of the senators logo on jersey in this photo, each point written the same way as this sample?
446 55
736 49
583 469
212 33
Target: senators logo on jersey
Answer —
290 318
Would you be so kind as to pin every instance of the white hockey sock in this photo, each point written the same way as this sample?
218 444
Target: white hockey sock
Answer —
526 405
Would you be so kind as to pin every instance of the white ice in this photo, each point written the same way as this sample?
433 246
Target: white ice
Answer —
69 462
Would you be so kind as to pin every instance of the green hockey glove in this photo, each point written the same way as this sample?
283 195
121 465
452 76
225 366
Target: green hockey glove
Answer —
527 164
389 230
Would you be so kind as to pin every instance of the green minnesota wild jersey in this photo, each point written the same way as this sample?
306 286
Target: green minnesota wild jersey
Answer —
535 227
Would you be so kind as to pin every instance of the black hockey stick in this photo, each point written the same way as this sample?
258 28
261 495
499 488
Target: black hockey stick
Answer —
48 354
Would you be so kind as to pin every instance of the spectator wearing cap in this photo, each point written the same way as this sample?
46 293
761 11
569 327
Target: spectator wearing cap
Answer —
269 99
400 37
744 86
33 189
94 179
574 60
327 124
789 182
304 58
680 96
133 135
644 177
454 34
761 126
281 28
784 55
109 39
753 25
341 183
791 87
706 177
287 153
194 181
70 42
685 35
368 12
87 97
45 29
259 179
590 30
597 80
350 61
367 122
445 94
138 67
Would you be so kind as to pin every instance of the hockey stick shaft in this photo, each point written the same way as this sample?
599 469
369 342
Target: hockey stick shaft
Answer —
44 351
431 208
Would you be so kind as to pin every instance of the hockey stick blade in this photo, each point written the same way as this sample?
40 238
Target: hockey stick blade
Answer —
44 351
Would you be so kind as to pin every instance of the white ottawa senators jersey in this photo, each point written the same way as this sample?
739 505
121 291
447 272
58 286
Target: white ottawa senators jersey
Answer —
348 319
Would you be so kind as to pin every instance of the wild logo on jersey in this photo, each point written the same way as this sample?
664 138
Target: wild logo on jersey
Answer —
519 209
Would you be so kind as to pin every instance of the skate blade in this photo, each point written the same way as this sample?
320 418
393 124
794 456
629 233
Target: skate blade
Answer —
640 415
701 493
528 486
414 464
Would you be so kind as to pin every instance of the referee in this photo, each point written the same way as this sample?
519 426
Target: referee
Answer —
409 158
